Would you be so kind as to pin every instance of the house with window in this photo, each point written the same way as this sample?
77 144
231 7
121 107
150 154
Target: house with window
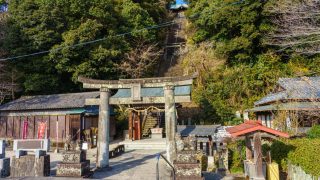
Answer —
56 117
297 98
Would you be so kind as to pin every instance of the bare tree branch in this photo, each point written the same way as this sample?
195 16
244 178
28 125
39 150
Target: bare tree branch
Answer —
139 61
297 26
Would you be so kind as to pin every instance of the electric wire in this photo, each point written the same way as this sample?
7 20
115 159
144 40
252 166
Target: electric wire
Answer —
91 42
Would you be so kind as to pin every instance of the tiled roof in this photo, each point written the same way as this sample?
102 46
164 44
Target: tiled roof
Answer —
55 101
294 106
294 88
198 130
253 126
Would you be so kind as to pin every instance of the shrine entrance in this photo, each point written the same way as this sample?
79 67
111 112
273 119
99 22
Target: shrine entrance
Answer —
151 93
143 121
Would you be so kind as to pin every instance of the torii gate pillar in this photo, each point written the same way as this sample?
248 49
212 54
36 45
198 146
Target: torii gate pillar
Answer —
103 129
170 119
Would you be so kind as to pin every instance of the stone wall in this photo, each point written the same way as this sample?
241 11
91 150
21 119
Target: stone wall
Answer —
297 173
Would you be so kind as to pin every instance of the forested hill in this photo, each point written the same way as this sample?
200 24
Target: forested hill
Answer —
242 47
239 47
57 25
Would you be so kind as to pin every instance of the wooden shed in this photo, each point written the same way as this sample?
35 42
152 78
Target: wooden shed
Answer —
53 116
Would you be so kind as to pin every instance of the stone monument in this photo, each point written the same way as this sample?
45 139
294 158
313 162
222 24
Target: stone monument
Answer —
30 165
4 162
186 164
74 164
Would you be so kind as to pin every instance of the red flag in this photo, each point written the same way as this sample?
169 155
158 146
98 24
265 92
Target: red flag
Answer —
25 129
41 130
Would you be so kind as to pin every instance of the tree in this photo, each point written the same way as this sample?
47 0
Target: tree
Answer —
232 26
8 87
140 61
61 25
295 26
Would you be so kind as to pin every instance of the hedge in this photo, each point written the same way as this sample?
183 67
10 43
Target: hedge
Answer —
301 152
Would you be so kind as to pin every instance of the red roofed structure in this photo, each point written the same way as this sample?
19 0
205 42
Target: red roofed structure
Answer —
251 126
255 130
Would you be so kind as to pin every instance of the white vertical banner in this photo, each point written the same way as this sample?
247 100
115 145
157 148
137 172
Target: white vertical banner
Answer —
57 131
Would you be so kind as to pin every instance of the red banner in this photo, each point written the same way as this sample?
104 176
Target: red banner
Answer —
25 129
41 130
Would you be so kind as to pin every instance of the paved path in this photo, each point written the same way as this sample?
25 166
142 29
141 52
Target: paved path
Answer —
133 165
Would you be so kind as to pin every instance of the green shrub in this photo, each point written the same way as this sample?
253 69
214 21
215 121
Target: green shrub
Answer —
306 155
279 153
301 152
314 132
236 156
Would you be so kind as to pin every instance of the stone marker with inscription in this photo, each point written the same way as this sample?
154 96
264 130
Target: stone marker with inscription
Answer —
4 162
74 164
30 165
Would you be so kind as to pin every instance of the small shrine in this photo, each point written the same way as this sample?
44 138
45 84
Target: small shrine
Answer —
252 132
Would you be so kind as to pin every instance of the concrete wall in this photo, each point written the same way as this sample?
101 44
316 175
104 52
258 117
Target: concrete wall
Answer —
297 173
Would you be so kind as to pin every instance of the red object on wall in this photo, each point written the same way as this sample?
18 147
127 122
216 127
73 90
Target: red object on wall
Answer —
41 130
25 129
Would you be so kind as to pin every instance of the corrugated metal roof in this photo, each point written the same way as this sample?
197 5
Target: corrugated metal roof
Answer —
55 101
153 92
294 88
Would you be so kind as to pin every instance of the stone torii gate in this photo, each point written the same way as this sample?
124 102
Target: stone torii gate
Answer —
136 86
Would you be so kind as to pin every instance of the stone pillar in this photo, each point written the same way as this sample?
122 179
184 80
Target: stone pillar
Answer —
258 155
248 149
103 129
171 124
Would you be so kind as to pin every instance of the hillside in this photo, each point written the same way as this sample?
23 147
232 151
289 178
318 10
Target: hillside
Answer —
99 39
241 48
238 48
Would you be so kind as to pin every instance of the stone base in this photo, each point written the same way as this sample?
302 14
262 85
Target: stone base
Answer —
189 178
187 156
251 172
187 169
73 169
73 156
4 167
156 136
211 164
31 166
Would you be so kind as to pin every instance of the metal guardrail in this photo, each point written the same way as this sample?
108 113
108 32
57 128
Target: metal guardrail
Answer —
173 170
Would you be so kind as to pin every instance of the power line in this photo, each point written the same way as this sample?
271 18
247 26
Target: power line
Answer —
91 42
165 24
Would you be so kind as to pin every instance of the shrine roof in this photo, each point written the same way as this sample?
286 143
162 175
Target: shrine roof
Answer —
54 101
253 126
197 130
